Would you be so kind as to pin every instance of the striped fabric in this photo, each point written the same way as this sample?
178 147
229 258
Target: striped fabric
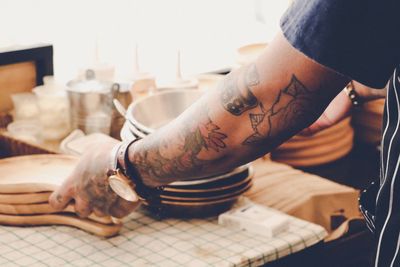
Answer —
387 217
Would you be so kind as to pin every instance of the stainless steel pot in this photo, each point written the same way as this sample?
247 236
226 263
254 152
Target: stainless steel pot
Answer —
91 103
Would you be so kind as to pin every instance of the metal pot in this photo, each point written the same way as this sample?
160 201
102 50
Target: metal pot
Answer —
91 103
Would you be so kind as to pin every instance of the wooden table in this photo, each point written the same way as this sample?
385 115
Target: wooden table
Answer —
357 169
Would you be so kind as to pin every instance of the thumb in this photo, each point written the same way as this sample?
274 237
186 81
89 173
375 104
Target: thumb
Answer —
60 198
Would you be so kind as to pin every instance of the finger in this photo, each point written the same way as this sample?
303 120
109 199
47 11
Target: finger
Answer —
122 208
82 207
60 198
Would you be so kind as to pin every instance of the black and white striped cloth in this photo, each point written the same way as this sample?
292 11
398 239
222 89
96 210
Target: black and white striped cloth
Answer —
380 204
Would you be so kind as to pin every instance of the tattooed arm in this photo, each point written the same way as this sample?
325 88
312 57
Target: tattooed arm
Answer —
254 109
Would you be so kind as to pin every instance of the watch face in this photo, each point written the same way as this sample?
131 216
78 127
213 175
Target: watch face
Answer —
122 188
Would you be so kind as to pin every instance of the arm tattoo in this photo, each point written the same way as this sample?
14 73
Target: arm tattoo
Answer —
178 156
292 106
233 99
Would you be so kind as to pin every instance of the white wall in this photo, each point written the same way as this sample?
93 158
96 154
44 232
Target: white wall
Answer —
206 31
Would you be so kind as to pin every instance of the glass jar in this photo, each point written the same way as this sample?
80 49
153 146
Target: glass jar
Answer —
54 115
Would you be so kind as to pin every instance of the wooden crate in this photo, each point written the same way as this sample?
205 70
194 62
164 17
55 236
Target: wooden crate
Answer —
21 69
10 146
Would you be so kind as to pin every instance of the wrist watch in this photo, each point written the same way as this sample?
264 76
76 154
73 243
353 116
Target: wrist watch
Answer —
118 179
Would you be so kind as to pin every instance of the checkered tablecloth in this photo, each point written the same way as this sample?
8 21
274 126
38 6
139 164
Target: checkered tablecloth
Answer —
149 241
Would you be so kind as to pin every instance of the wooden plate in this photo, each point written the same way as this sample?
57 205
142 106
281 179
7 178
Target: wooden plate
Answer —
207 198
340 144
31 198
376 106
318 160
342 126
35 173
371 121
62 219
314 142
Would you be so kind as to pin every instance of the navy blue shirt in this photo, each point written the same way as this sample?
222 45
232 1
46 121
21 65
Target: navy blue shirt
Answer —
360 39
357 38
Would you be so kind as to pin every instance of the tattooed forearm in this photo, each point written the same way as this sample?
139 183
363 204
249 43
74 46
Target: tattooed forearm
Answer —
236 96
292 106
178 156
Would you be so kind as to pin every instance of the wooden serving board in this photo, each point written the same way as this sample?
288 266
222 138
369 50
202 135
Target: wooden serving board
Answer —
34 173
62 219
45 208
28 198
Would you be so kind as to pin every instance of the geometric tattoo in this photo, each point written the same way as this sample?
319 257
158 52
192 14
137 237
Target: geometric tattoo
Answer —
293 103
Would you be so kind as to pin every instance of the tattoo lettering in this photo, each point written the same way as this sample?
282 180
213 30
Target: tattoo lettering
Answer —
292 105
179 156
233 99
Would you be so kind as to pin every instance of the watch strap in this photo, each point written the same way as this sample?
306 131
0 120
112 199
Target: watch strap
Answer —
148 194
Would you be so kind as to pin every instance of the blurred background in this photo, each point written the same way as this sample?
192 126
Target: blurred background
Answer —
207 32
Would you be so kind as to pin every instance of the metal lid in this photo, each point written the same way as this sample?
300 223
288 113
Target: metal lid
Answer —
89 85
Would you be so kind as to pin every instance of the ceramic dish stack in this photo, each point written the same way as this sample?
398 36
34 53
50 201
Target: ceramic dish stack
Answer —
323 147
367 121
199 197
25 186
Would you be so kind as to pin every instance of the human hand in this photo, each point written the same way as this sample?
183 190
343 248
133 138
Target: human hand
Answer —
89 188
337 110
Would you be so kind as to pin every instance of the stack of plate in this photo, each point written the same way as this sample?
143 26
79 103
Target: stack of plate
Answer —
323 147
367 121
206 196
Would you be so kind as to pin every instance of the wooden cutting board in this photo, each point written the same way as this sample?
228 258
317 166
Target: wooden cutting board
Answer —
62 219
34 173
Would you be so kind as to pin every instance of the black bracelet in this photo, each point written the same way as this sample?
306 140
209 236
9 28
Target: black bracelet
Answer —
354 97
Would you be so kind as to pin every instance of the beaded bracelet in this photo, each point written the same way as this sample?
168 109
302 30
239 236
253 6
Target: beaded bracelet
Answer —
354 97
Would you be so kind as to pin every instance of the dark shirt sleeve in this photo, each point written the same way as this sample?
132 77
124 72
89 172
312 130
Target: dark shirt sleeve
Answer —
356 38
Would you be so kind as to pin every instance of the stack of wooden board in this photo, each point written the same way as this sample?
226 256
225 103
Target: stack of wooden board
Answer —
25 185
367 121
323 147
